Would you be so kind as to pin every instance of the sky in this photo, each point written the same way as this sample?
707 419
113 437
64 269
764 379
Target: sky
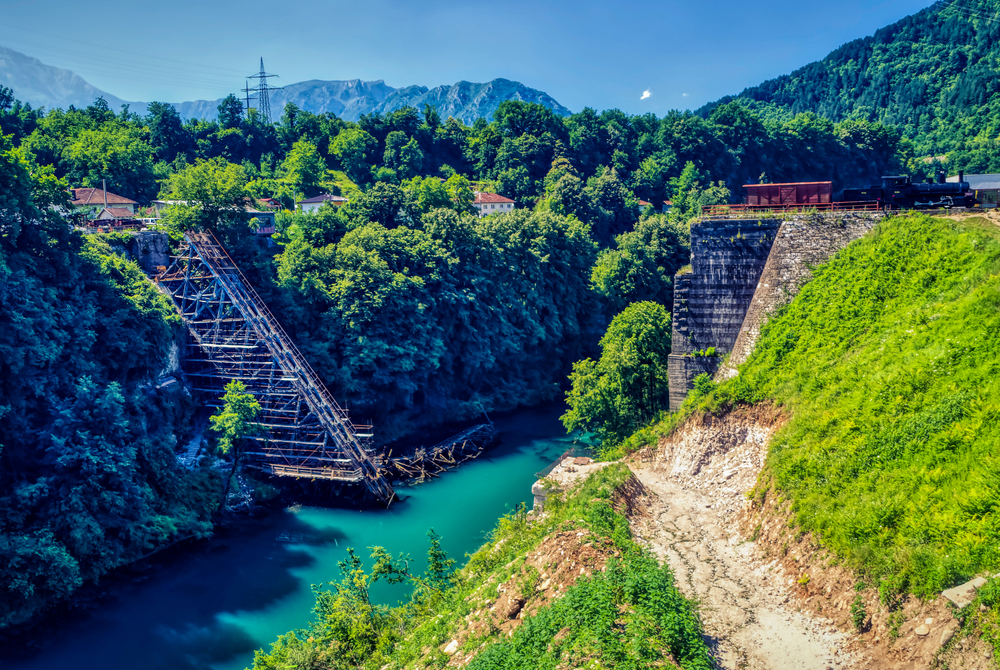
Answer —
634 55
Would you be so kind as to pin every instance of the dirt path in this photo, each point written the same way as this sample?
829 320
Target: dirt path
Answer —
700 476
743 601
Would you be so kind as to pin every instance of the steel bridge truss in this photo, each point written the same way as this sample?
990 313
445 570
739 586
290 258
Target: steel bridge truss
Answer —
306 433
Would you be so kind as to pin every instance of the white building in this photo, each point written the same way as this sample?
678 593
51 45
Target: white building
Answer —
312 204
491 203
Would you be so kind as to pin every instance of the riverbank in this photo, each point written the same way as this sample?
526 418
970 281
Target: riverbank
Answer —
212 605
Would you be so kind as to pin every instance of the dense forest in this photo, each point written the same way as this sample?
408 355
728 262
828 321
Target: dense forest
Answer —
88 476
934 76
413 310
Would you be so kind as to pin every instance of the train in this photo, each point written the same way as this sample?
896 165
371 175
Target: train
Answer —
899 192
894 193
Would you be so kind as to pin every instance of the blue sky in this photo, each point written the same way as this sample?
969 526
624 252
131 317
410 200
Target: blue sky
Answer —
596 54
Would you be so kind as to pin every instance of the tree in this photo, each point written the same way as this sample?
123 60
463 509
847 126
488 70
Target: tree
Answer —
402 154
353 147
516 184
689 196
230 112
167 134
304 168
460 192
628 386
642 265
426 194
121 155
612 206
235 421
383 203
212 193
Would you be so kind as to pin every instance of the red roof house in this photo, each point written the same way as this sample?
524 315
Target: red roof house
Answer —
491 203
95 197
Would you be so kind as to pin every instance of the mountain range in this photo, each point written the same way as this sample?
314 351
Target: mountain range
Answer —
45 86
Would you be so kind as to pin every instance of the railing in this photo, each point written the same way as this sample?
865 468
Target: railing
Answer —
309 473
737 210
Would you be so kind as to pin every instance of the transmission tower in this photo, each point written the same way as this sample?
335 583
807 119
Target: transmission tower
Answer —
263 99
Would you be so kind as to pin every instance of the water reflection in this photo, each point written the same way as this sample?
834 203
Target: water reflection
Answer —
211 608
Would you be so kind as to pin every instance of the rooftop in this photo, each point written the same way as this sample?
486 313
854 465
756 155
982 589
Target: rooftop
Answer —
326 197
490 198
793 183
83 197
116 213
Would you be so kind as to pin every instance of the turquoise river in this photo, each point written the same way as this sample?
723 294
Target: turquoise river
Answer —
210 607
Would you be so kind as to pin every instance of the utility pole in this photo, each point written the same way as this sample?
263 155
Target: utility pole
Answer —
246 90
263 100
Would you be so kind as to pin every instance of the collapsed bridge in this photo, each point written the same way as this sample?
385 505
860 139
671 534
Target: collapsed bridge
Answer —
306 433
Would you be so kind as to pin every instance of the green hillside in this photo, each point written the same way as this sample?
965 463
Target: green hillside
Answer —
887 364
935 75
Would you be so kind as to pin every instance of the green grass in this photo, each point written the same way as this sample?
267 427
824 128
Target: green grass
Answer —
888 364
629 616
348 188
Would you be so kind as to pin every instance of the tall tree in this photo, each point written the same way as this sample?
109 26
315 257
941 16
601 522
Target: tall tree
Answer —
234 422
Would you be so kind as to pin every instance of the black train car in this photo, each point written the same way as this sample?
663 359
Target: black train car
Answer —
898 192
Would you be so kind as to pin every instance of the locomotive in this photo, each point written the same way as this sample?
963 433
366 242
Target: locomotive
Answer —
898 192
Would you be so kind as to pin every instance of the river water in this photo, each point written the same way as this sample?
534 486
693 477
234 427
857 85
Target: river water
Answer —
210 608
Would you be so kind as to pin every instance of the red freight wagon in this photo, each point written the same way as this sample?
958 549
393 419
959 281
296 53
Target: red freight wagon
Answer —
802 193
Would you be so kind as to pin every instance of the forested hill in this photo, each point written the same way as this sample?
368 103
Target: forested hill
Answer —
934 75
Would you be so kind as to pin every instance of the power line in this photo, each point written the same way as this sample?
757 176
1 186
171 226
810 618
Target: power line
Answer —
124 51
97 61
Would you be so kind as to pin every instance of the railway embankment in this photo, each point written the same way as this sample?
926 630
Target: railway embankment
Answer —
848 472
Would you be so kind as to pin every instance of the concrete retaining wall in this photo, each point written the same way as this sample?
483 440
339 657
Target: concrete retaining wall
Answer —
710 301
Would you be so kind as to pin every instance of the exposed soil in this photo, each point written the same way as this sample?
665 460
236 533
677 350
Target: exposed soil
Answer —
769 596
548 571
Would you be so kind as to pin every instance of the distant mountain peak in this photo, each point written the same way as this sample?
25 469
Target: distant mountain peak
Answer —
44 85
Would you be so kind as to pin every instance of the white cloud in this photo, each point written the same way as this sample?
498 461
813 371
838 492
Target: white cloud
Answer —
645 94
684 95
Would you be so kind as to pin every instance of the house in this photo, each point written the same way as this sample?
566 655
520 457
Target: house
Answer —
491 203
100 199
312 204
985 187
667 206
114 213
643 205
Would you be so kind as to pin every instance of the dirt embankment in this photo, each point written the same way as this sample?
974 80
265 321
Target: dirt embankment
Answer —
500 605
770 596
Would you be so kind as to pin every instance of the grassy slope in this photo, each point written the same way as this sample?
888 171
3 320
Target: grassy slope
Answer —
888 363
629 616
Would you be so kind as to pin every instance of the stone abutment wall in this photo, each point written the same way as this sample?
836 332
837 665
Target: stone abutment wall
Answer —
742 270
